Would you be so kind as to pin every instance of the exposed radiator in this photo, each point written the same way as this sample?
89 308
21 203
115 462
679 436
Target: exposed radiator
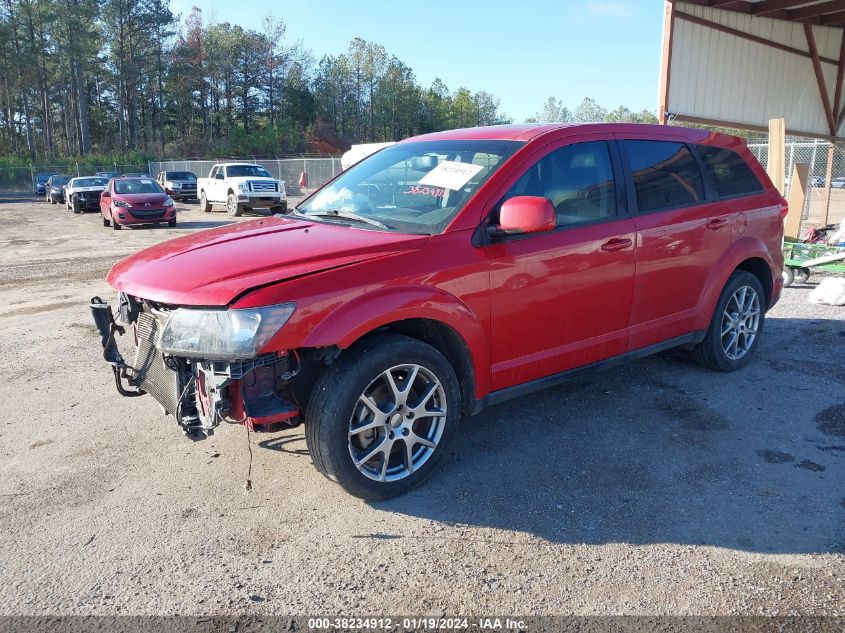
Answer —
154 377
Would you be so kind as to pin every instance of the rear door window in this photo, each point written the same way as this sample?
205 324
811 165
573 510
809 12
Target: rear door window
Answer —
729 173
665 174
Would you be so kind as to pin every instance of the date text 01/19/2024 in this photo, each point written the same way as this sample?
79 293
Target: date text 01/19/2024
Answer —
414 624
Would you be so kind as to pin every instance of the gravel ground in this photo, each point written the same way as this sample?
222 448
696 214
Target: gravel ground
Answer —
655 488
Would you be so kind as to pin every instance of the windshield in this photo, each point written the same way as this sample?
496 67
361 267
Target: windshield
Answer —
107 174
411 187
90 182
180 175
239 171
141 185
57 181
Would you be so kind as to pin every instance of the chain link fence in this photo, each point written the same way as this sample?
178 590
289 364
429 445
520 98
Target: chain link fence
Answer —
318 170
22 179
825 202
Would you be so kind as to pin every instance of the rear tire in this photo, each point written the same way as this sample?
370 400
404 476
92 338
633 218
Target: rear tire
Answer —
171 223
802 275
232 207
736 326
204 205
340 424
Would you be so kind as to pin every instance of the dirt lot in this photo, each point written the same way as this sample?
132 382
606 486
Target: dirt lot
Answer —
655 488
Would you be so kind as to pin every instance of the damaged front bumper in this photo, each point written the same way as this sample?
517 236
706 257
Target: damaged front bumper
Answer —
199 394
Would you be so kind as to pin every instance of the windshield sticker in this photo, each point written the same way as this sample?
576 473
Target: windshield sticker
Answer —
450 174
416 190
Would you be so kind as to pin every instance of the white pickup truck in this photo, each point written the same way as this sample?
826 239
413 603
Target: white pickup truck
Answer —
242 187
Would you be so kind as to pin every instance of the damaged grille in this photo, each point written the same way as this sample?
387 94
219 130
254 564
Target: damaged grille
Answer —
153 376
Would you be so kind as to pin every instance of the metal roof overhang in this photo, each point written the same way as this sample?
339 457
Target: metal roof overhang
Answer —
740 63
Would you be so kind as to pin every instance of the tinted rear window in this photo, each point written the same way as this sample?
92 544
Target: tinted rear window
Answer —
729 173
665 174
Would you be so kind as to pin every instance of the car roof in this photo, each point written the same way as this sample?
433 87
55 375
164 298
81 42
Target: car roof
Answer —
528 132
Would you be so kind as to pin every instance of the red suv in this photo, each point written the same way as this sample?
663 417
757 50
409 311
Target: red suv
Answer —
136 201
447 273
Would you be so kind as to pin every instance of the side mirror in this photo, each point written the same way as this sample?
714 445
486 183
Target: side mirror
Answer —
104 195
522 215
219 177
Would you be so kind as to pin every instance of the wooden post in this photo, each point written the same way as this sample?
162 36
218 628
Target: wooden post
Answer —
666 60
797 200
777 151
828 176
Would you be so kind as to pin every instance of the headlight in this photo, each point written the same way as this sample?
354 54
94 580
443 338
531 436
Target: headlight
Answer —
176 185
228 334
242 186
121 203
168 201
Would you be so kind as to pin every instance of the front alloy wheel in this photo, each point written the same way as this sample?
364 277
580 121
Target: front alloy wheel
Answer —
232 205
397 423
380 416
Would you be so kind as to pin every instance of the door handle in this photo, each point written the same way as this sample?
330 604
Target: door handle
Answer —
716 224
617 244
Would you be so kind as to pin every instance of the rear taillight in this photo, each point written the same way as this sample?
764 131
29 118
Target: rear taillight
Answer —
784 207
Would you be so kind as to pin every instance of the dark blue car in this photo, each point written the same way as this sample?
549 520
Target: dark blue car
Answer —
40 183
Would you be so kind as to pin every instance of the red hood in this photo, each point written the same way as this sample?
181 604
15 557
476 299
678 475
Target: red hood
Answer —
212 268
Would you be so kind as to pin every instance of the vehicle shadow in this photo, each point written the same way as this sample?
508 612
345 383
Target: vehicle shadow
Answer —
660 451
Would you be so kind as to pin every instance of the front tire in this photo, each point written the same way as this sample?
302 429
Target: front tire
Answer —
115 225
232 207
204 205
380 418
736 326
75 204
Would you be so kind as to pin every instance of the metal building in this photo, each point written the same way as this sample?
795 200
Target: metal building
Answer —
741 63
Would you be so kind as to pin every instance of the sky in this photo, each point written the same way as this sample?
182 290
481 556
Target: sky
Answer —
521 52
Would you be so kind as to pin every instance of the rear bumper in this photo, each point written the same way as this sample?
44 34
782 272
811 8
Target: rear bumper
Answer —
777 290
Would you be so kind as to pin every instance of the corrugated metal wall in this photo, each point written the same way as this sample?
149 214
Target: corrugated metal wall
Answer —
717 75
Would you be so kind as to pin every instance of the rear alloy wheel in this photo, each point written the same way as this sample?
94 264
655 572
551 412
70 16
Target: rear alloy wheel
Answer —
232 207
380 417
204 206
736 326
